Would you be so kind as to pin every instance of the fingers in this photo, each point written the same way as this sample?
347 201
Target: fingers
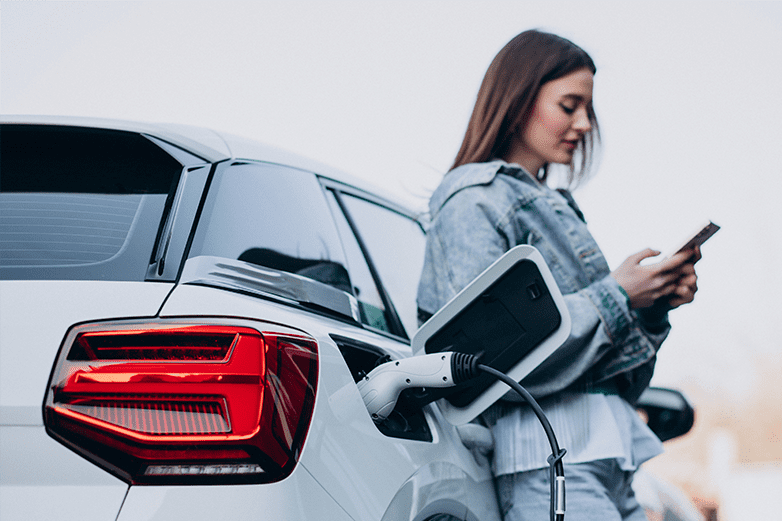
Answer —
678 300
680 265
690 279
676 261
672 278
665 291
684 292
679 288
636 258
665 282
696 255
686 269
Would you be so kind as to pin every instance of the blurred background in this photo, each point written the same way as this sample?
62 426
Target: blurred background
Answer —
689 98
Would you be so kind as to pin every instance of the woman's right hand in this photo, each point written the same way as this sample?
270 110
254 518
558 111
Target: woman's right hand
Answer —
673 277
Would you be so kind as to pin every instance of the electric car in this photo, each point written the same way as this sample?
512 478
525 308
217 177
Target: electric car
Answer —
185 315
184 318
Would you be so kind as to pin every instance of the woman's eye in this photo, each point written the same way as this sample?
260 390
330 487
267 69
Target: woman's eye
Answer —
568 110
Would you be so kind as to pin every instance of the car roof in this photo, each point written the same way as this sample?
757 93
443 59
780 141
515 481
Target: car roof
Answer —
208 144
203 143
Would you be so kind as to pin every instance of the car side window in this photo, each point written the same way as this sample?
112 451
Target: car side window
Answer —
395 246
371 307
275 217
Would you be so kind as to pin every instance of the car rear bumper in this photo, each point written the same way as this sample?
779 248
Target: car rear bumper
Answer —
295 498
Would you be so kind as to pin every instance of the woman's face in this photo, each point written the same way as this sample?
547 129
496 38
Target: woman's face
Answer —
558 121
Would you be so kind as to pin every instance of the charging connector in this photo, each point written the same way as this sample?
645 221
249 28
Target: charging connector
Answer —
380 390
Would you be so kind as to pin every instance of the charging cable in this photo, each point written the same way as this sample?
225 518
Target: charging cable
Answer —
380 390
557 470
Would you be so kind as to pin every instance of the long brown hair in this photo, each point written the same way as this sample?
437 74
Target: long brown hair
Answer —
507 96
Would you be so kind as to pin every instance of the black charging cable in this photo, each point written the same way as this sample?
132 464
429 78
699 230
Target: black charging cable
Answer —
557 470
465 367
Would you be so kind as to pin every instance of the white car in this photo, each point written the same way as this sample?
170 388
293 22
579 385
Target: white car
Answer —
185 316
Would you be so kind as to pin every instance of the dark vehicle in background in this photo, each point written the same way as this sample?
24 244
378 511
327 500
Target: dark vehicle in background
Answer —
670 415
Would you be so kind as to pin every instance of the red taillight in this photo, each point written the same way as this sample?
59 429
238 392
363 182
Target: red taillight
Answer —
184 403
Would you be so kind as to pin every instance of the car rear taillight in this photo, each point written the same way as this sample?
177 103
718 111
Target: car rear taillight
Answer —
184 402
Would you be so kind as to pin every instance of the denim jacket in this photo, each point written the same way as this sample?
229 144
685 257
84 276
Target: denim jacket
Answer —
479 212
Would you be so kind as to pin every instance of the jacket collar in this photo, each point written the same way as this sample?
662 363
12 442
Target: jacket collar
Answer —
474 174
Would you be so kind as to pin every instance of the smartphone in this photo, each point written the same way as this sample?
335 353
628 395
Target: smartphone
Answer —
705 231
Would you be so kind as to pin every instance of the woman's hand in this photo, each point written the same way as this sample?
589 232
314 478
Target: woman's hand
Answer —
673 278
686 286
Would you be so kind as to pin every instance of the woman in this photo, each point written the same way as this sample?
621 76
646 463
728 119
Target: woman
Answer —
534 109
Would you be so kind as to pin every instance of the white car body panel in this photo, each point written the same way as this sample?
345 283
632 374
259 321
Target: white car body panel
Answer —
42 479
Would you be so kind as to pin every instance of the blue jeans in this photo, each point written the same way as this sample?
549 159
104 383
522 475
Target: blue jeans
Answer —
594 491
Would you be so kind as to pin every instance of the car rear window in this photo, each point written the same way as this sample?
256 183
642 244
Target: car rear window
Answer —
61 229
80 203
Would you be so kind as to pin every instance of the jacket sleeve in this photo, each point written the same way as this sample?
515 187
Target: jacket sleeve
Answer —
607 341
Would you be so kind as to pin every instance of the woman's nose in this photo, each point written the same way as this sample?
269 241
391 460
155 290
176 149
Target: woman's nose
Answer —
581 123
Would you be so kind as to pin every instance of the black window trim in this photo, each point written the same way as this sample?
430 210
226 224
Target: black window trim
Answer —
173 210
213 168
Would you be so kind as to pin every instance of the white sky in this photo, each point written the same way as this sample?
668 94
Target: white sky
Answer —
689 97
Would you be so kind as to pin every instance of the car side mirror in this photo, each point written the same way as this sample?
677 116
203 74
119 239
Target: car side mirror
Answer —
668 412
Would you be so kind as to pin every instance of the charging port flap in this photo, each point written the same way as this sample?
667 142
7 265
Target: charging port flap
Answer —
512 315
